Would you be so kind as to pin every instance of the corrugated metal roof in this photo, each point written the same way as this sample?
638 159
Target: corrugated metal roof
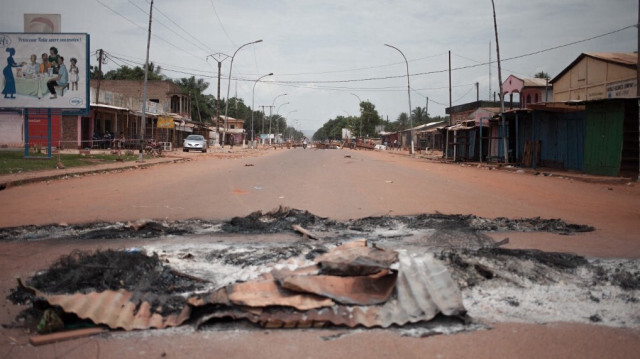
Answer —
623 59
118 309
424 288
617 57
534 82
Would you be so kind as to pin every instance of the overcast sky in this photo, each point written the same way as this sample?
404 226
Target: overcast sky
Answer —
323 51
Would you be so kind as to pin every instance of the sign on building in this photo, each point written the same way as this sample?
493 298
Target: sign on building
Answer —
165 122
37 64
622 89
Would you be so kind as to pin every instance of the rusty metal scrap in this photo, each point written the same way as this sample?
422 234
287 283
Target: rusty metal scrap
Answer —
267 293
117 309
356 259
423 289
359 290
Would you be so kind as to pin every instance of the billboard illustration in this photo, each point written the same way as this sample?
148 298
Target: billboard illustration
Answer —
44 71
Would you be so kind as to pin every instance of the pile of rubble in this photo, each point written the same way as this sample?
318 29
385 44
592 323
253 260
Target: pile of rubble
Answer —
353 284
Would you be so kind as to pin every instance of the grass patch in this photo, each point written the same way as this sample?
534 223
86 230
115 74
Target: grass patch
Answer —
14 161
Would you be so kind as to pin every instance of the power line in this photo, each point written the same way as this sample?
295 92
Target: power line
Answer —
155 36
185 31
221 25
167 27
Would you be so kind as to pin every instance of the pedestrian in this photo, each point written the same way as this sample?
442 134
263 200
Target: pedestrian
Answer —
231 141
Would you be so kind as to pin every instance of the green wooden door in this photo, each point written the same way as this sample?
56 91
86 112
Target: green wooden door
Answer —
603 141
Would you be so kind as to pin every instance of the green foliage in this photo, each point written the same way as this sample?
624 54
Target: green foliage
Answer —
135 73
202 106
542 75
370 119
332 129
14 161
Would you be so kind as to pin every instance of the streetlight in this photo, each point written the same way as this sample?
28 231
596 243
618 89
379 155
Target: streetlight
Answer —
359 102
226 107
408 93
289 113
253 97
273 104
277 112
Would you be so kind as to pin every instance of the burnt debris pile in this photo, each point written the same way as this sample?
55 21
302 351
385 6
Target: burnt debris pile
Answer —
282 219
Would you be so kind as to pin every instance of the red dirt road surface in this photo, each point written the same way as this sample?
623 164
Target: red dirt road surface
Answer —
326 183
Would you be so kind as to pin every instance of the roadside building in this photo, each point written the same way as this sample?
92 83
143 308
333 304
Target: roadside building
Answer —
528 90
597 76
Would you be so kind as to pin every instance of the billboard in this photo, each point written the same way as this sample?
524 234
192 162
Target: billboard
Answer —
45 71
42 23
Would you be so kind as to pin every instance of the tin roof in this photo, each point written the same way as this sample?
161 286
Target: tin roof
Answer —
623 59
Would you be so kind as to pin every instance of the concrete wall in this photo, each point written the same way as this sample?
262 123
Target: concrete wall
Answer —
11 129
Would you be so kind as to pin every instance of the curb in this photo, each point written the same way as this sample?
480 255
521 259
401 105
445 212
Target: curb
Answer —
81 172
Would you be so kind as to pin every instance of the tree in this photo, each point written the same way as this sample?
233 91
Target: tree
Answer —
135 73
202 106
419 116
403 121
369 117
542 75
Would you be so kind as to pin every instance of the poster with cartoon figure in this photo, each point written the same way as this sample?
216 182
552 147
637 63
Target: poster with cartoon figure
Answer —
44 71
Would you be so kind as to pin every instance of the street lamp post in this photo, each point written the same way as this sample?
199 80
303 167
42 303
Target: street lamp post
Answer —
359 102
289 113
408 93
277 113
226 107
253 97
270 113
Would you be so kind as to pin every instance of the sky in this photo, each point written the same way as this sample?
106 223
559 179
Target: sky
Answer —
327 55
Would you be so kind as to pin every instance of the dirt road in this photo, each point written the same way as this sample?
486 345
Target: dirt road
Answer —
339 184
330 184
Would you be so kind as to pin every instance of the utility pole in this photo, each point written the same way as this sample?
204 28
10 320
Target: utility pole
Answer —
219 57
144 86
504 128
478 91
426 109
490 71
450 105
101 60
638 85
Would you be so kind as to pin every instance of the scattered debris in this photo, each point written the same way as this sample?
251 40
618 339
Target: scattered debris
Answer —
304 232
62 336
410 269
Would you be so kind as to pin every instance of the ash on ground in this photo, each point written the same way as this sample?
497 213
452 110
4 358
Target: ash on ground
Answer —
497 284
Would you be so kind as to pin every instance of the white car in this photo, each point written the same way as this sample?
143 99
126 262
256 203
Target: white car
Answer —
194 142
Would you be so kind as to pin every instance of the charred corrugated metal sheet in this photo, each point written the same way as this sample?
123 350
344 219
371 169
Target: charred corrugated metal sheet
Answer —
423 289
266 293
122 309
358 290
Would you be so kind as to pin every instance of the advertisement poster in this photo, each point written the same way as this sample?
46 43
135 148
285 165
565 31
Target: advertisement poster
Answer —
44 71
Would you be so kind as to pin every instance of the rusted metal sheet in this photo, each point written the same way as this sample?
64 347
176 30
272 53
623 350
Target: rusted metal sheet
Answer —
360 290
118 309
268 293
356 259
423 289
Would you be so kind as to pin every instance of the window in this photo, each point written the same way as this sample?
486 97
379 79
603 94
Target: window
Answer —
232 126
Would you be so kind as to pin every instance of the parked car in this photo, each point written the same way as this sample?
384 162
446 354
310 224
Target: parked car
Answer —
194 142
